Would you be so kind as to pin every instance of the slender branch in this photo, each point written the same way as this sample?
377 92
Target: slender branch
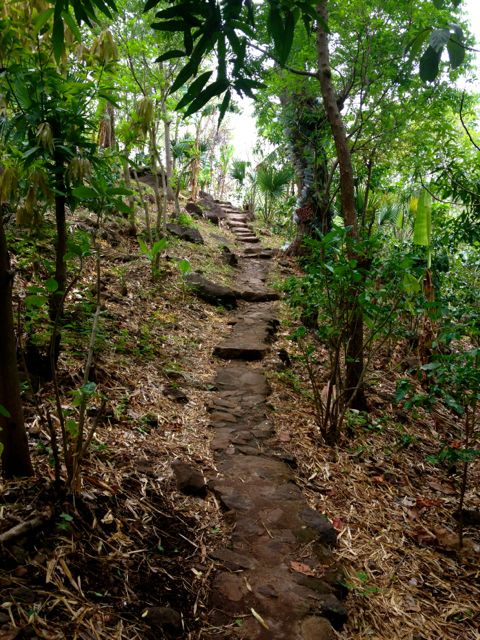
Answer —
449 202
467 131
298 72
21 529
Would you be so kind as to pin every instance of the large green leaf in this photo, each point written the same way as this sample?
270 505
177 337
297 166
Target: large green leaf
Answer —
456 52
430 64
224 106
184 74
246 85
422 229
281 27
194 89
5 413
439 38
168 55
43 18
185 10
150 4
455 46
72 25
85 193
214 89
418 42
169 25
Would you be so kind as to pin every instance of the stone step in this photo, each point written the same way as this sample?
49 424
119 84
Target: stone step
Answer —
239 227
241 235
261 255
251 335
258 295
237 219
244 229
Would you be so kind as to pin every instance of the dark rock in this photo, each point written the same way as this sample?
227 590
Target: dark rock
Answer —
313 583
190 480
237 350
164 619
213 216
233 560
194 209
261 295
332 609
267 590
228 587
320 524
315 628
211 292
229 257
189 234
212 211
176 394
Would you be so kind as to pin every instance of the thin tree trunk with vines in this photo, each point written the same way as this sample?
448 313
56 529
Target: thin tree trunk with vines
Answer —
168 158
132 230
161 214
355 395
15 453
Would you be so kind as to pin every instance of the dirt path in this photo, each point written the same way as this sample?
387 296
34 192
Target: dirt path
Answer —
278 579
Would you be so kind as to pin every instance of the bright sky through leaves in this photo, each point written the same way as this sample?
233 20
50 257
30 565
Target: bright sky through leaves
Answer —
242 125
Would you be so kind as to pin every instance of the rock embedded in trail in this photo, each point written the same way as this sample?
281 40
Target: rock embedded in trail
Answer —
211 292
164 620
229 257
189 234
252 332
194 209
190 480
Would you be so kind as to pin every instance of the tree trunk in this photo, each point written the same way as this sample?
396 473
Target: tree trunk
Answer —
106 131
354 386
145 208
56 299
161 214
15 454
168 156
132 230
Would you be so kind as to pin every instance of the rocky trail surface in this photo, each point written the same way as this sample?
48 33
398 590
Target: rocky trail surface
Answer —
278 578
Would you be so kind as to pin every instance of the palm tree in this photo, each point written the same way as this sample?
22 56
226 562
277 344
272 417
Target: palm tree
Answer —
272 183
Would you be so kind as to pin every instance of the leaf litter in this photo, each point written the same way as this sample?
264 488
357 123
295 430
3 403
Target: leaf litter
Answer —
392 509
94 567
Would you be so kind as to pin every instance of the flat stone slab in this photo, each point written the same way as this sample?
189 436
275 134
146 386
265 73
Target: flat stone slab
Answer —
249 239
210 292
257 295
251 334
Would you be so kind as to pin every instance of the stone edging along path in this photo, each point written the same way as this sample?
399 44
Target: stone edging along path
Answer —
278 579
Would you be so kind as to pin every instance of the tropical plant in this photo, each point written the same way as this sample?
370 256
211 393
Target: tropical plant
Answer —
272 183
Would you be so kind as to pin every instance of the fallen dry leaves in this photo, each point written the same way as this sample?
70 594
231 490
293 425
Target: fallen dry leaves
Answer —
393 511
